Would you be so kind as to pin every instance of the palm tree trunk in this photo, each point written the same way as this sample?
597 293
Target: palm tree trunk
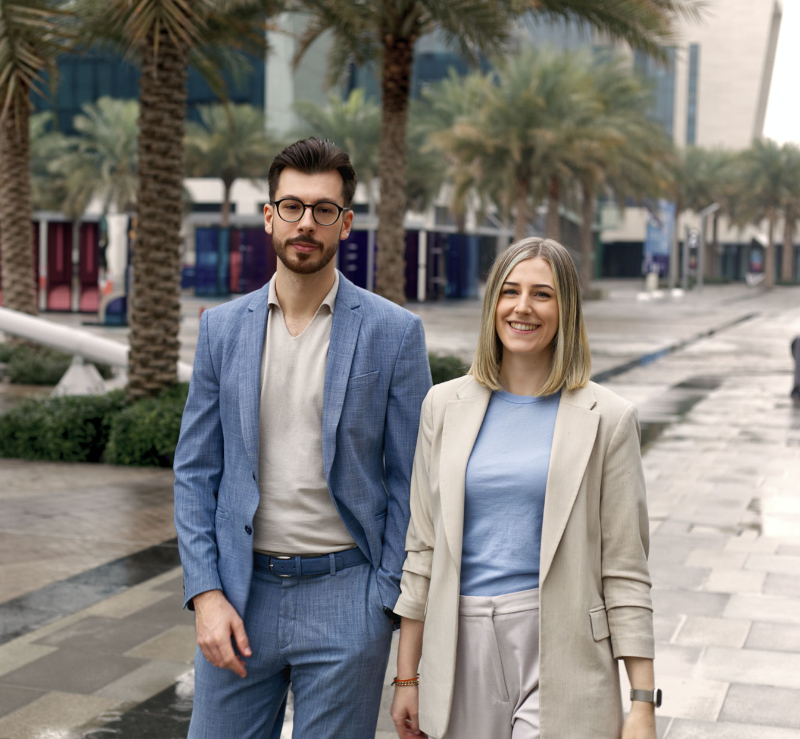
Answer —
19 282
769 257
155 308
787 263
521 207
553 226
398 57
587 238
226 203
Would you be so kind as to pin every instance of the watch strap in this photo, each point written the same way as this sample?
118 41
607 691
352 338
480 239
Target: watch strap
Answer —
647 696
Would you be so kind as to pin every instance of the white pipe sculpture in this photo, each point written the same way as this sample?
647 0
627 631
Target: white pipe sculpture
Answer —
72 340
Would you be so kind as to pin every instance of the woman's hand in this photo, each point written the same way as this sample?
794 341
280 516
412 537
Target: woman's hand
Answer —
405 712
641 722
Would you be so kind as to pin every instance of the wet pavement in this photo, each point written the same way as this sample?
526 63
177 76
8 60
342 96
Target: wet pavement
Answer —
96 644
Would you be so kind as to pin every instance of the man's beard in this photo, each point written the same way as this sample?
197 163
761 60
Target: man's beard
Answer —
304 264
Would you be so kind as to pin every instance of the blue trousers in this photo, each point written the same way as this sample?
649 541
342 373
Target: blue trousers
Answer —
327 635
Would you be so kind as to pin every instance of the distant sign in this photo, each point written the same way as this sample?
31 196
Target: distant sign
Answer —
658 240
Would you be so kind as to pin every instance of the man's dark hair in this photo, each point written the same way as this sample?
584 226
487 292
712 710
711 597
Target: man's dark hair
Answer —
312 156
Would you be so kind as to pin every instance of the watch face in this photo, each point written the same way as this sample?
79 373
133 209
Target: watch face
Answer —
657 701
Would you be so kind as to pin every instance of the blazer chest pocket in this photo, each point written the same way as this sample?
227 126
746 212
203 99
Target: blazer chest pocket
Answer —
365 380
599 619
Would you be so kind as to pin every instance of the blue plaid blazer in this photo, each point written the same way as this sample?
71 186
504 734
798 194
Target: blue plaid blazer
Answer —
376 377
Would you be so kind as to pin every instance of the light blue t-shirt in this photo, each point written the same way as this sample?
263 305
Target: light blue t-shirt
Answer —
505 484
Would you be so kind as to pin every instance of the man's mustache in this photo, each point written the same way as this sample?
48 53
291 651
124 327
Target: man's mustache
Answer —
305 240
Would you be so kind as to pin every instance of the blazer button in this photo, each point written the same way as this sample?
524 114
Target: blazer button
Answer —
248 530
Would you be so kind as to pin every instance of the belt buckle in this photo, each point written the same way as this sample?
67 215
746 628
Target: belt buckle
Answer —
271 569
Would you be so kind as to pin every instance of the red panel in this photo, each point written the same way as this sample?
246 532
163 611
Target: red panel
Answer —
59 266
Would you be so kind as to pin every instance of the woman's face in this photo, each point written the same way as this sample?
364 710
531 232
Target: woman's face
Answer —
526 319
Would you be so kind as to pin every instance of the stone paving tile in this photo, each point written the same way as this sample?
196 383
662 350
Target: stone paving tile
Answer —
715 559
12 698
73 670
143 683
782 564
53 715
734 581
750 666
783 585
757 704
674 602
178 644
764 608
780 637
104 635
676 659
700 631
677 577
705 730
665 627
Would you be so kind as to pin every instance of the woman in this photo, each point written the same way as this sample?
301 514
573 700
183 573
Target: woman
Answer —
526 570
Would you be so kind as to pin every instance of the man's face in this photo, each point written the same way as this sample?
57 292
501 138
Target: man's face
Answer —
305 247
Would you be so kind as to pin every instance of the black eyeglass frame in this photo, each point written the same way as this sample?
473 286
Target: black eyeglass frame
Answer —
277 204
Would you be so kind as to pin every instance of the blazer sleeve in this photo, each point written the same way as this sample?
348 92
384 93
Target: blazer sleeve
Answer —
198 470
625 543
421 536
411 380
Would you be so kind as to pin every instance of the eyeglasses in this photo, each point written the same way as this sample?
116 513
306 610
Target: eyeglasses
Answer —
324 213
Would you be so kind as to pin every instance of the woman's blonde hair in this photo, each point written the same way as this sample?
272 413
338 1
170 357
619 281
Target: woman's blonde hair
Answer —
572 364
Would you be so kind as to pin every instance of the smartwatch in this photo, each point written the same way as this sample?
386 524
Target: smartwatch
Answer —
647 696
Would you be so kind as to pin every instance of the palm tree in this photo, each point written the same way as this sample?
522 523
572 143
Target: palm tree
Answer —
791 209
100 162
354 123
46 145
764 183
166 36
231 142
622 151
530 107
387 30
32 35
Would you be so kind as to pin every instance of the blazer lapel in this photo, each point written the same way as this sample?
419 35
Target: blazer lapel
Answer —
462 423
573 441
251 341
344 337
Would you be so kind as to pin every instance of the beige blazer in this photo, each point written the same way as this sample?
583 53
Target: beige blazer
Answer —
594 584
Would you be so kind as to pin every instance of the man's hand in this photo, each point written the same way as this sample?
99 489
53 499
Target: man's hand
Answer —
216 621
641 722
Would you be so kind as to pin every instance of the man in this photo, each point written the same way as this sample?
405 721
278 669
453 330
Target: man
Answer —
292 476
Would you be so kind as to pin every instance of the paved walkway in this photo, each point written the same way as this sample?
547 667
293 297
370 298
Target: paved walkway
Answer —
722 461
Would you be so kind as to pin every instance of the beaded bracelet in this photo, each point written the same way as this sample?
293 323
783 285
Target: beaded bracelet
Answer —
406 683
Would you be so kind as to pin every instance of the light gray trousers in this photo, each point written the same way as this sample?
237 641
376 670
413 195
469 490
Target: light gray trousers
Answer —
496 691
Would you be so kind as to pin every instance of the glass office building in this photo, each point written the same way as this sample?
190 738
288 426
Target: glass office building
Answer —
83 78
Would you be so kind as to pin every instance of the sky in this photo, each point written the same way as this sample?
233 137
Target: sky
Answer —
783 109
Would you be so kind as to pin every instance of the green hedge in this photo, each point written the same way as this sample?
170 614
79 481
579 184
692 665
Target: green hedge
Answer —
67 429
146 433
446 367
39 365
87 428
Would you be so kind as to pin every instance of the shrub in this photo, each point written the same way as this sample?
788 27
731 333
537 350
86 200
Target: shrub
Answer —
146 433
67 429
446 367
39 365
